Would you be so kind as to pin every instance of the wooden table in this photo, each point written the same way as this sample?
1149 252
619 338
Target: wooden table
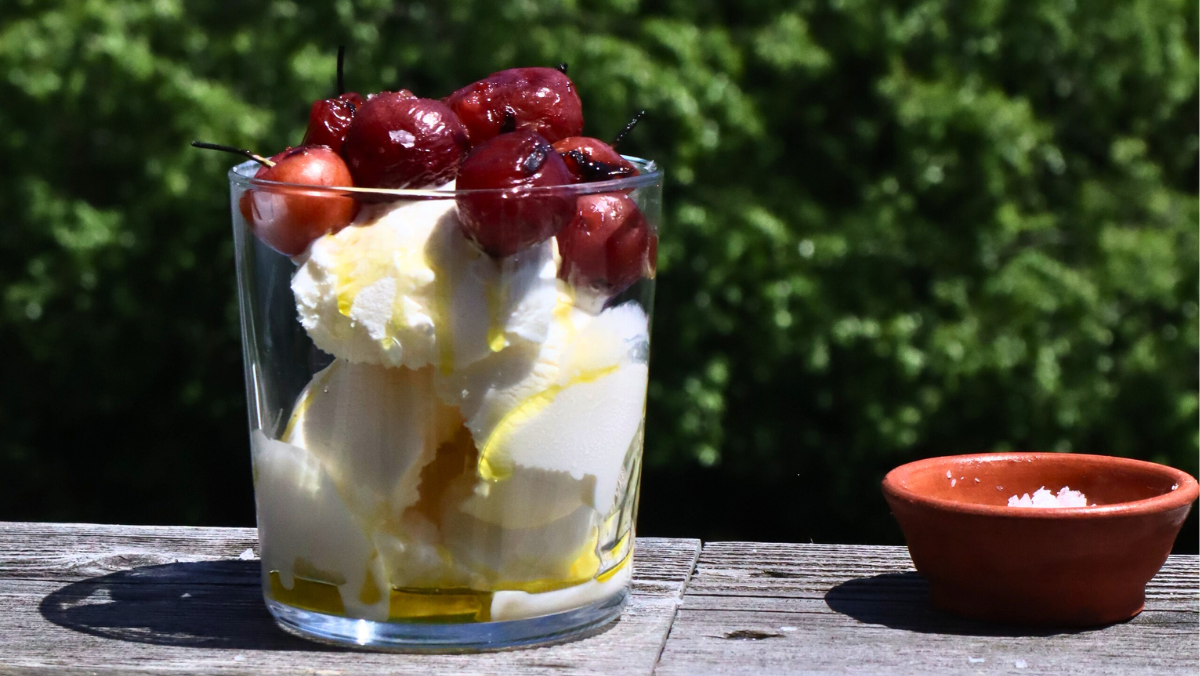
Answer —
85 599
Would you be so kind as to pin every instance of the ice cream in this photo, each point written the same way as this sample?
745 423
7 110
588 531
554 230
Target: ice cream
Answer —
577 410
373 429
471 439
401 286
328 546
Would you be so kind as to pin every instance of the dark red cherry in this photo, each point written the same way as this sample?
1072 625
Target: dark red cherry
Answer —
328 121
289 219
503 223
591 159
538 99
400 141
608 244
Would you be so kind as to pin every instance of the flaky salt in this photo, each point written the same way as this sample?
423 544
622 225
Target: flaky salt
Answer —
1044 498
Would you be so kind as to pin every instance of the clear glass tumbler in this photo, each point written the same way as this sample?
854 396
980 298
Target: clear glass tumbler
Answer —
446 444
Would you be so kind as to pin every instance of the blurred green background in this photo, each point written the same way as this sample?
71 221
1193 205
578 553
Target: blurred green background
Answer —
893 229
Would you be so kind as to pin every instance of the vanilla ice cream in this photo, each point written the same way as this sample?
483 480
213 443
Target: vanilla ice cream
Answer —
374 429
471 434
577 408
402 286
328 544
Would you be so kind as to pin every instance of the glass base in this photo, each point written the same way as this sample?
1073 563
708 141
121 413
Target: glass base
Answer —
449 638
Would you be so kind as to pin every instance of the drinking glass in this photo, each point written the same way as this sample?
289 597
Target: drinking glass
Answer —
446 445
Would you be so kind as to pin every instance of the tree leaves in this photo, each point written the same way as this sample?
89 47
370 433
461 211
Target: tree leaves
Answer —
892 229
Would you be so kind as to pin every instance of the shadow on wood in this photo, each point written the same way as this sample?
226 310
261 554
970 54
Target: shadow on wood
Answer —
210 604
901 601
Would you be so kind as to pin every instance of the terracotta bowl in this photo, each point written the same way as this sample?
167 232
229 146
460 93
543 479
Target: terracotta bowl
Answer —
1064 566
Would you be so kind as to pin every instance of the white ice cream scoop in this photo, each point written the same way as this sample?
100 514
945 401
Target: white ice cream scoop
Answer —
402 286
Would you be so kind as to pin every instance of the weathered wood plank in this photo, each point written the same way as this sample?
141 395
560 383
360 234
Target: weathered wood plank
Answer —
754 608
78 598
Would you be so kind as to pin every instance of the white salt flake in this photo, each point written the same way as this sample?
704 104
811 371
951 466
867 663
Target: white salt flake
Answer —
948 475
247 555
1020 664
975 660
1044 498
239 658
952 482
185 595
787 629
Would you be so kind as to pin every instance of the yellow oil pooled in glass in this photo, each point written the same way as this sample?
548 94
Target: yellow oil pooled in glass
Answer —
429 605
439 605
425 605
321 597
611 572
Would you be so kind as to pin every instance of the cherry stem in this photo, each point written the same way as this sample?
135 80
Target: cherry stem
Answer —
628 128
236 151
562 67
595 170
341 80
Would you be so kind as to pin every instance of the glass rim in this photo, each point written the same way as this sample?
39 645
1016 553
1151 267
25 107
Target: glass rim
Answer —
242 175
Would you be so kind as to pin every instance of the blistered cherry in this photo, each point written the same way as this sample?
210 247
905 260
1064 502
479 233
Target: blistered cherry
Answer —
608 244
289 219
503 222
591 159
400 141
328 119
537 99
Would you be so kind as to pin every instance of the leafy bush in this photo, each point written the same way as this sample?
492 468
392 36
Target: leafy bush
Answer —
894 229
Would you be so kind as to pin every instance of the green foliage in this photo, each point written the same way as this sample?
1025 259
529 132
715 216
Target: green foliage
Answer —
893 228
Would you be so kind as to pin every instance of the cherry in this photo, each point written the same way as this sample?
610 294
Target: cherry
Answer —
329 119
503 223
289 219
591 159
398 141
538 99
355 99
608 244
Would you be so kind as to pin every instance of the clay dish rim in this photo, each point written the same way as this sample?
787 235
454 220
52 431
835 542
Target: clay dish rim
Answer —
1184 495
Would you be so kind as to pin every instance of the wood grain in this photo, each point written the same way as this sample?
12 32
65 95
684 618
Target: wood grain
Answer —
88 599
754 608
85 599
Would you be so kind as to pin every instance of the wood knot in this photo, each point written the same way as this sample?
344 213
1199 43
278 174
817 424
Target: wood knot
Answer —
750 635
